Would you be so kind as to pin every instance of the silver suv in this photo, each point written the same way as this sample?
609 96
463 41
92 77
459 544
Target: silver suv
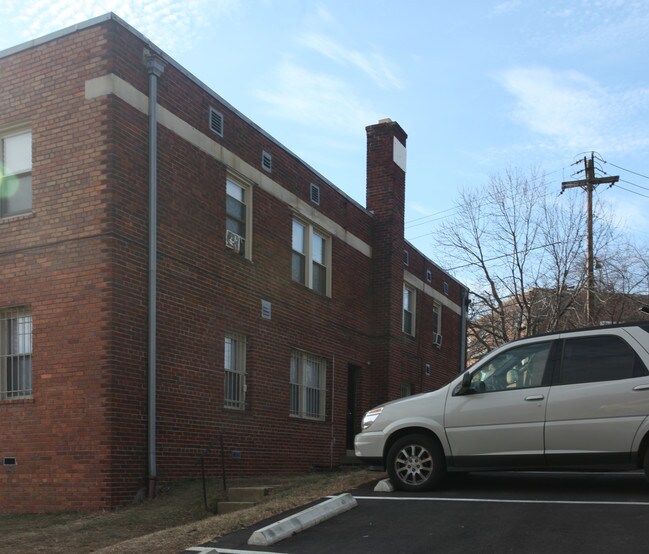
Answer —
570 400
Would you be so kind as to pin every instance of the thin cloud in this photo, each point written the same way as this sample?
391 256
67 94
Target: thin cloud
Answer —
317 99
373 64
167 22
577 112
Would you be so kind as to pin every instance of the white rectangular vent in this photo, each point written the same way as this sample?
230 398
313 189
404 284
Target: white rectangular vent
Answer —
216 122
233 241
406 258
315 194
429 275
266 161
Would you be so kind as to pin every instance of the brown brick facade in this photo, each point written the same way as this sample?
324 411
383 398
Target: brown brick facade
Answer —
79 262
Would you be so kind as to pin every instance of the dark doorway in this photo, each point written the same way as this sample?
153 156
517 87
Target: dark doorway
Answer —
353 374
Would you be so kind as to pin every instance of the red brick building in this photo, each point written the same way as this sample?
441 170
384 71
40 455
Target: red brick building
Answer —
281 308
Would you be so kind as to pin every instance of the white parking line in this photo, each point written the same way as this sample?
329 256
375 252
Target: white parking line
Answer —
217 550
502 501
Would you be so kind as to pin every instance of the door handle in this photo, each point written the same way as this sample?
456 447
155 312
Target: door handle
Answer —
641 387
534 397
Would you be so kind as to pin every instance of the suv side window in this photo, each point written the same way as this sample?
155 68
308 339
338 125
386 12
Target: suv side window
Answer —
516 368
599 358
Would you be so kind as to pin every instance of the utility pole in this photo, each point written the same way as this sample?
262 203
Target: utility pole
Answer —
589 184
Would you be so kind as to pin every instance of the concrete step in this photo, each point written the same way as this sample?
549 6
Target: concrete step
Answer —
248 494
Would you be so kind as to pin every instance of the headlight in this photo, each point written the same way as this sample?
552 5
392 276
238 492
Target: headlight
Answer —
370 417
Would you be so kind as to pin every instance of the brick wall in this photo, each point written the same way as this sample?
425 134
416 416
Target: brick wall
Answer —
80 261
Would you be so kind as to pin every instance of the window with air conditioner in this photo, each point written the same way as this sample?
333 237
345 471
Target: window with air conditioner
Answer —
15 173
437 324
237 218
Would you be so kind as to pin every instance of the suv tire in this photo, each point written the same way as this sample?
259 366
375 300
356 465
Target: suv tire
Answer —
416 463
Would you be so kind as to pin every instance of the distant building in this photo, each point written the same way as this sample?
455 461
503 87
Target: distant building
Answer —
283 309
544 310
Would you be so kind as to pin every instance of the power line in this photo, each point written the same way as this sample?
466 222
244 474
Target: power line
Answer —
632 191
634 184
628 170
527 251
412 223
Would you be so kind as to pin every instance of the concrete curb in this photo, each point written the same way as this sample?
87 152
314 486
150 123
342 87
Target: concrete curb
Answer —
385 485
286 527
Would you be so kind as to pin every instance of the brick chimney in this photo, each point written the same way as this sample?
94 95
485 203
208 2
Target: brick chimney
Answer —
386 187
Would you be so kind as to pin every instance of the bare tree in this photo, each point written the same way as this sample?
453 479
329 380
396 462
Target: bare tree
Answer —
521 249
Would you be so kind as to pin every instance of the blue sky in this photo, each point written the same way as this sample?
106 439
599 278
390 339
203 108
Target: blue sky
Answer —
479 86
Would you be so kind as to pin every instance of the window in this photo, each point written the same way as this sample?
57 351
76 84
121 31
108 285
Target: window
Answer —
15 174
437 318
234 364
408 310
310 257
308 385
15 353
516 368
237 220
437 324
600 358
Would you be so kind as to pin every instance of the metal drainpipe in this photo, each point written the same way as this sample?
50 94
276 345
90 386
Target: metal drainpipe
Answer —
155 67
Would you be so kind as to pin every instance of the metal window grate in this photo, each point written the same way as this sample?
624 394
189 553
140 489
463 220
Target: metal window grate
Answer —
234 380
15 353
308 385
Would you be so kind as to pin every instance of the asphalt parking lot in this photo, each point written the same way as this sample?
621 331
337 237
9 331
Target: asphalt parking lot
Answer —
482 512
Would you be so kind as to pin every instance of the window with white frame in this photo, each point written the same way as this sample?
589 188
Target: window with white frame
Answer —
15 353
15 173
311 254
437 324
437 318
234 364
409 310
237 217
308 385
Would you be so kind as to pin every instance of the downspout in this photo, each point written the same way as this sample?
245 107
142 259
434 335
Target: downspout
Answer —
463 326
155 67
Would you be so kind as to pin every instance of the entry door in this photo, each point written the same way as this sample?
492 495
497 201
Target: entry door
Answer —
500 422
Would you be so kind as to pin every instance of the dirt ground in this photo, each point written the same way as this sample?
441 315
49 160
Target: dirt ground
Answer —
170 523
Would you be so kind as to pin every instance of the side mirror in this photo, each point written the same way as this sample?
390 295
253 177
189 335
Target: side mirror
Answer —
465 386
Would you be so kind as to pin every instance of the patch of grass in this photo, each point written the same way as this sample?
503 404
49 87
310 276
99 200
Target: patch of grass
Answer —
172 522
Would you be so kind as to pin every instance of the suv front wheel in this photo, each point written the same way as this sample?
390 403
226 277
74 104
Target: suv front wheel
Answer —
416 463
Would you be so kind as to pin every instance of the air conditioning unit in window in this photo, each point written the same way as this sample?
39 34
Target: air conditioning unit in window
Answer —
233 241
437 340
